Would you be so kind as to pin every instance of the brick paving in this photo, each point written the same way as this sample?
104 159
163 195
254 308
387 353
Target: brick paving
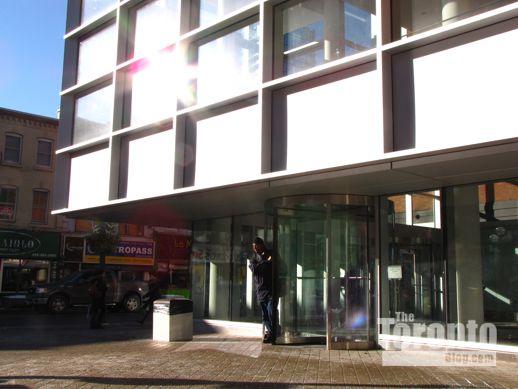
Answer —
124 356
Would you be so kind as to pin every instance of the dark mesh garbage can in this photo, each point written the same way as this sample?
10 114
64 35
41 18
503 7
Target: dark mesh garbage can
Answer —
172 319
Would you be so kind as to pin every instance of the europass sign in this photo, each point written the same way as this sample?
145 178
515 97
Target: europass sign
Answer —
128 252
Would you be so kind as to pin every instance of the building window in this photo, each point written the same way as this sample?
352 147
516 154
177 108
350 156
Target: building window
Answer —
13 149
40 202
229 65
315 32
92 8
483 253
415 269
212 10
7 203
240 128
410 17
96 54
93 114
153 88
156 25
150 174
44 153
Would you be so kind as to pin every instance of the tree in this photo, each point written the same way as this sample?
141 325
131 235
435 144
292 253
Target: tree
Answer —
103 240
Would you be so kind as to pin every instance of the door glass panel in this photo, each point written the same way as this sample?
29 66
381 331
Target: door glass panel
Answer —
301 264
349 275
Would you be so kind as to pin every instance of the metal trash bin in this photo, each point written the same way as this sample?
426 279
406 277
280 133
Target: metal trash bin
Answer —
172 319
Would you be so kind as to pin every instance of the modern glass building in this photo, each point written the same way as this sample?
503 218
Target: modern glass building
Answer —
374 144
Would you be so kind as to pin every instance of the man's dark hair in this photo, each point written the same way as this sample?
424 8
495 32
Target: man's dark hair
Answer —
258 240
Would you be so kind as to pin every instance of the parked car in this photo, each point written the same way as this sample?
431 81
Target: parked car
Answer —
73 291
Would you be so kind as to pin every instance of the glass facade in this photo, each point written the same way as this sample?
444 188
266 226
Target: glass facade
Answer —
228 65
460 269
156 25
308 96
92 8
212 10
234 160
410 17
153 92
315 32
93 114
222 285
97 54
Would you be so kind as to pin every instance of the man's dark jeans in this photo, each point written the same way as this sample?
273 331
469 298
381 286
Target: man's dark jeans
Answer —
267 308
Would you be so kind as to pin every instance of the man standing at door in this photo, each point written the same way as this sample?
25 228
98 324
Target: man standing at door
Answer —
261 267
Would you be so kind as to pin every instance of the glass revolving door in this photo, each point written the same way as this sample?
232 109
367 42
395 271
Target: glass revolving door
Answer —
324 284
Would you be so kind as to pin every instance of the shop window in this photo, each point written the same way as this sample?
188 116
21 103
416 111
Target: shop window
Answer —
40 203
96 54
7 203
20 274
156 25
92 8
13 149
44 153
228 65
410 17
93 114
315 32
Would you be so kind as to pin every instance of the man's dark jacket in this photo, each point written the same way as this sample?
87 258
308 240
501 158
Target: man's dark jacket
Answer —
262 270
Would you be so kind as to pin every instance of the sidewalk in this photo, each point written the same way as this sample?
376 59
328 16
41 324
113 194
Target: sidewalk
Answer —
35 354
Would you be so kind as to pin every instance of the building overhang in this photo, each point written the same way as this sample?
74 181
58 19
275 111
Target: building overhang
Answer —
398 174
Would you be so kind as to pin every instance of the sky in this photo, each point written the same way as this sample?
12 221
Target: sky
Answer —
31 55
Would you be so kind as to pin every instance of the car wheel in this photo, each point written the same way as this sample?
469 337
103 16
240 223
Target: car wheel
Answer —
58 303
131 302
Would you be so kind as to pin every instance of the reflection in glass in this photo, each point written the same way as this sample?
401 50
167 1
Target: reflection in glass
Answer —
212 10
156 25
410 17
92 8
228 65
96 54
93 114
315 32
244 303
210 261
498 207
415 272
153 94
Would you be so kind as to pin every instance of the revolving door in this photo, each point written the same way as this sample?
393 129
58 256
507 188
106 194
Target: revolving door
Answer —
323 270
